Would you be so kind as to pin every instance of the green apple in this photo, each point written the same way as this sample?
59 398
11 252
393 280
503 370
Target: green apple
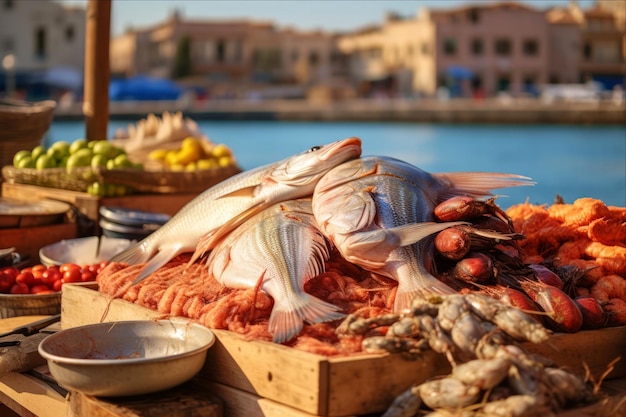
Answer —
45 161
26 162
37 151
78 144
98 160
19 155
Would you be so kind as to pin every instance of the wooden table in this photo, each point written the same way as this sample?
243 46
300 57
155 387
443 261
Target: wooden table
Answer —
22 394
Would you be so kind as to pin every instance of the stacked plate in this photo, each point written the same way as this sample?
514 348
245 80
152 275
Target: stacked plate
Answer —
129 224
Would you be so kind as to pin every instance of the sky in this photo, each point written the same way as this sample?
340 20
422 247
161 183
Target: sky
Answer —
328 15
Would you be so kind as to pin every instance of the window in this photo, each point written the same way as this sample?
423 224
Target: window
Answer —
449 46
69 33
40 43
474 16
425 49
220 51
314 58
530 47
294 55
477 46
503 47
587 51
503 82
8 4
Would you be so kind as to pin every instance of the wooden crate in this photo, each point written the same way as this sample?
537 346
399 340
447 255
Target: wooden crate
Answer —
264 375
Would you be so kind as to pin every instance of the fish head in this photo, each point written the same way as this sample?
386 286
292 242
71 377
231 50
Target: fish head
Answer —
305 169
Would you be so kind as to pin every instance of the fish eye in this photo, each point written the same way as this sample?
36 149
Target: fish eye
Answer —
315 148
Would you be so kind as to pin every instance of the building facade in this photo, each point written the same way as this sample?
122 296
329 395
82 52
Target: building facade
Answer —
222 52
490 48
42 34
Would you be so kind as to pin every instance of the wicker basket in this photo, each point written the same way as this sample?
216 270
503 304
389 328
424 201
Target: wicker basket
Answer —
157 182
13 305
24 125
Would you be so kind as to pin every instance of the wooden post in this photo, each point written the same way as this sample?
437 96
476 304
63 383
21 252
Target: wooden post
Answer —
97 71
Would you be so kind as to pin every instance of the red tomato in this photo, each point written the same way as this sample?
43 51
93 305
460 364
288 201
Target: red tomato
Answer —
88 276
38 269
69 266
39 289
18 288
26 278
11 272
57 285
103 265
51 275
72 275
5 282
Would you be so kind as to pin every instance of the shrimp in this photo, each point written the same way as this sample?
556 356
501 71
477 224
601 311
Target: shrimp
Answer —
607 231
580 213
609 287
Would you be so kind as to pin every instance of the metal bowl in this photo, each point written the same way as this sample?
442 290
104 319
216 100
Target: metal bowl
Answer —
127 357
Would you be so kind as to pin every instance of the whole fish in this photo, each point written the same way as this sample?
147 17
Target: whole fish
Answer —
202 222
277 250
378 212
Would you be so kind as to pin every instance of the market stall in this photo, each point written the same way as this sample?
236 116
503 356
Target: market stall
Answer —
324 284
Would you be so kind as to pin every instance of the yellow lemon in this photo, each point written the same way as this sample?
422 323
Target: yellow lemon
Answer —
221 150
206 164
188 155
158 154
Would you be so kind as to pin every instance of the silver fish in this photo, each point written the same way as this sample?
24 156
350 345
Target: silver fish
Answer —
278 250
202 222
378 211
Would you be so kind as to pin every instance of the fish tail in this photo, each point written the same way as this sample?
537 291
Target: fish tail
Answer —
286 321
432 286
478 184
284 324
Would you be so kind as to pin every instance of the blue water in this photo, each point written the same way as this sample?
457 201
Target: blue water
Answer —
565 160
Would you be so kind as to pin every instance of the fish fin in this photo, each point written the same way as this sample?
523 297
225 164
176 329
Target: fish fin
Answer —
409 234
161 258
478 184
425 286
242 192
383 241
491 234
135 254
286 318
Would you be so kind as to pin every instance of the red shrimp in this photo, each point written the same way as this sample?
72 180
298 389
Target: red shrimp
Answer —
581 212
609 287
608 231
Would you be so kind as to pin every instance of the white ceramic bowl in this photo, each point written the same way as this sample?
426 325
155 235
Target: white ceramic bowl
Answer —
82 251
126 358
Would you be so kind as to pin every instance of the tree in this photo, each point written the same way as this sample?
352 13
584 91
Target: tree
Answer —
182 61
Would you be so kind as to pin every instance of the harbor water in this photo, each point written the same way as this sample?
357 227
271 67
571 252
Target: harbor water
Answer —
570 161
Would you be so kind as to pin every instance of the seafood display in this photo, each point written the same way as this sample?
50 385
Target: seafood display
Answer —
378 212
278 251
337 254
221 208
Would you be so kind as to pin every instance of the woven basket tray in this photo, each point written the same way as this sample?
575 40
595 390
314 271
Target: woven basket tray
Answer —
24 125
158 182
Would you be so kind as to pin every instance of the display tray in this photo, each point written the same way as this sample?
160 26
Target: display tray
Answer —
281 378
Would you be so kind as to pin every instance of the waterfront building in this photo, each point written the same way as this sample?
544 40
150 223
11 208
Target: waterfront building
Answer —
42 35
488 49
224 55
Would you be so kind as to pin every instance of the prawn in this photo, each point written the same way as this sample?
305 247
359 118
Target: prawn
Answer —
609 287
611 258
581 212
607 231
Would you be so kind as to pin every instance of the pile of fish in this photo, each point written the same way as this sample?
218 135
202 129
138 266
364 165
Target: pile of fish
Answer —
491 374
273 227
